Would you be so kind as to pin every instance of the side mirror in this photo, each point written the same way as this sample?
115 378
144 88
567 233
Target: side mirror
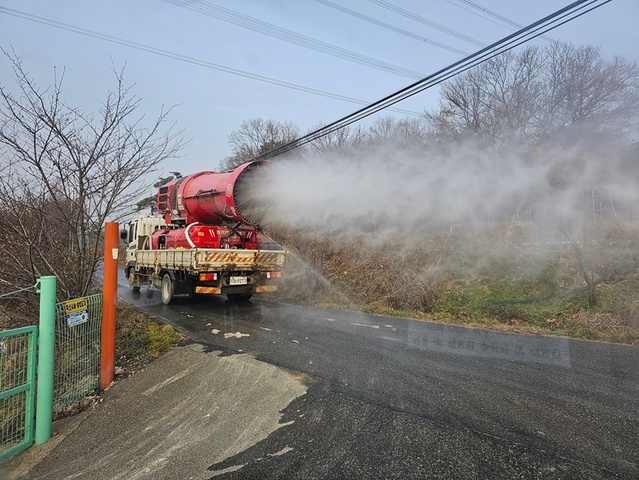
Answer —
124 234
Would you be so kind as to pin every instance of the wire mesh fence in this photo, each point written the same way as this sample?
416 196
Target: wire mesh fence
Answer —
17 387
72 339
77 350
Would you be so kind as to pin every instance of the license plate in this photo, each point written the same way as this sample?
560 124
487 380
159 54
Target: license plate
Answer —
237 281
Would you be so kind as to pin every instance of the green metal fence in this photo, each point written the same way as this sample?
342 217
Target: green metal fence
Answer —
17 389
77 350
64 351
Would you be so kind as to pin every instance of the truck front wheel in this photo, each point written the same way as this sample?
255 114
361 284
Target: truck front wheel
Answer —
168 289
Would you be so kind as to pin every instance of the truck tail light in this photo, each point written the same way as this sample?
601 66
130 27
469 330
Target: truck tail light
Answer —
273 274
208 277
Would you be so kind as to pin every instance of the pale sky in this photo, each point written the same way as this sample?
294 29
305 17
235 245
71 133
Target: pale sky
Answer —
212 103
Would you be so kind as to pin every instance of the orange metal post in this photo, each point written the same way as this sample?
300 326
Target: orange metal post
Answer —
109 301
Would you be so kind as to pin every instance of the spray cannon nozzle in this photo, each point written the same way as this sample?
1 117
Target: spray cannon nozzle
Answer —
213 197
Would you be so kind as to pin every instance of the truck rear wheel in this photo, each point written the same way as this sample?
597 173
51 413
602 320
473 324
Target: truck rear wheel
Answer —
238 297
168 289
132 285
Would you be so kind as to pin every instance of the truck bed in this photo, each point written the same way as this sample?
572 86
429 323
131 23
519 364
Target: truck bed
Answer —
210 259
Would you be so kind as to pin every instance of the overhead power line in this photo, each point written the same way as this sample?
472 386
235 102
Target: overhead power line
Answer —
206 8
183 58
425 21
490 13
546 24
494 15
388 26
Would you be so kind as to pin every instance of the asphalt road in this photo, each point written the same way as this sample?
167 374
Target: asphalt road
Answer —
396 398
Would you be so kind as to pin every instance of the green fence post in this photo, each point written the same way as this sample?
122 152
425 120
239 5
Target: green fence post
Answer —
46 355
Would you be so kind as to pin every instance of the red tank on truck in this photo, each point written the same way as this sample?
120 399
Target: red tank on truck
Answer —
200 241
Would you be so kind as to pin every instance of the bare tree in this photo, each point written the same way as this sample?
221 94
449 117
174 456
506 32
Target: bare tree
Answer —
65 172
535 91
403 131
565 110
498 97
583 87
603 253
341 140
255 137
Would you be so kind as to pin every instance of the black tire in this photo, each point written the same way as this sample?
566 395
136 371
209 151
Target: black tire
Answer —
239 297
168 289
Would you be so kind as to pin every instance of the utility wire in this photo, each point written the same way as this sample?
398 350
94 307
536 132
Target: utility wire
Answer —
425 21
206 8
490 13
388 26
550 22
183 58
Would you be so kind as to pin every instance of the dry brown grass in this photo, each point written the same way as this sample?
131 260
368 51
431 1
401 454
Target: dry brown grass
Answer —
492 279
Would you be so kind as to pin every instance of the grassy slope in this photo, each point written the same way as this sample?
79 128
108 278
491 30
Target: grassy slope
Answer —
483 280
140 339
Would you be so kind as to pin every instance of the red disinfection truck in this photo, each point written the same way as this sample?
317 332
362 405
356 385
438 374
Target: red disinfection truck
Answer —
201 241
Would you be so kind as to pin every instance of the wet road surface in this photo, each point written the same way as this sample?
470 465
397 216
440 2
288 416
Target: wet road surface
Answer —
396 398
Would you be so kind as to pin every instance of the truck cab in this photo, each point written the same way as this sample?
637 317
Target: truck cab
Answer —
137 237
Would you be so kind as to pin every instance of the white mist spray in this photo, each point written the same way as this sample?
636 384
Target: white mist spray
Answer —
397 191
